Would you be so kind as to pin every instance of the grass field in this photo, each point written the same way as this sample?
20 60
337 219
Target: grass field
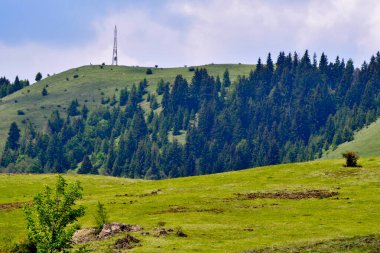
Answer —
88 84
366 142
214 217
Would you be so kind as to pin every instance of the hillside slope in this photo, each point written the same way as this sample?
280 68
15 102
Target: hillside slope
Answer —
213 214
89 83
366 142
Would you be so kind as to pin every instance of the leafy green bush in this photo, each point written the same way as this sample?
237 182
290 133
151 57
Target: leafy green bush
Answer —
50 214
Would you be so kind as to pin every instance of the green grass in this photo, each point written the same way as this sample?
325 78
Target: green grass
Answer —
91 82
214 219
366 142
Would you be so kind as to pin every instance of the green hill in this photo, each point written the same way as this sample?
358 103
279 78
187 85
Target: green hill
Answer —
280 206
366 142
88 84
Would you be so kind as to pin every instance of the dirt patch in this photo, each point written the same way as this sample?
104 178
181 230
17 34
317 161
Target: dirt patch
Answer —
182 209
84 235
152 193
128 242
112 229
293 195
343 173
160 232
13 205
211 210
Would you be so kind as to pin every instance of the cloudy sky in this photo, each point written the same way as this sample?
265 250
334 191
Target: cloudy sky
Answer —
52 36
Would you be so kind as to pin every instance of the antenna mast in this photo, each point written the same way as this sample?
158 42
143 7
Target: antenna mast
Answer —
114 53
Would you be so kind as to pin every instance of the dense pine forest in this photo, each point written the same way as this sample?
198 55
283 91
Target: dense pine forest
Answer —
287 111
6 87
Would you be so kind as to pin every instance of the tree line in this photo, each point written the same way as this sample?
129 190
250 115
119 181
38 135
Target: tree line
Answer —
287 111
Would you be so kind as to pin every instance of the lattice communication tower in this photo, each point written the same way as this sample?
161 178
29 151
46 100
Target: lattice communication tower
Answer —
114 53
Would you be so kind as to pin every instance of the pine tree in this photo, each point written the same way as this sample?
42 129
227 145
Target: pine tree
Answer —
226 79
86 167
38 77
13 137
72 110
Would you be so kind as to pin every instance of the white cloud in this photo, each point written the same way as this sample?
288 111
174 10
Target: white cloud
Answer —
211 31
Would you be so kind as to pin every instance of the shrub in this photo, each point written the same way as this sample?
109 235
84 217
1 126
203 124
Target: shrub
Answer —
76 76
20 112
50 214
351 158
101 216
191 69
44 92
149 71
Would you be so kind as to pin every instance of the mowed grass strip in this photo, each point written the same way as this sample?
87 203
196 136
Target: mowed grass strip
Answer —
210 211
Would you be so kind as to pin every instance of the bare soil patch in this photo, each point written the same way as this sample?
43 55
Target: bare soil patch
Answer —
293 195
343 173
128 242
182 209
109 230
13 205
152 193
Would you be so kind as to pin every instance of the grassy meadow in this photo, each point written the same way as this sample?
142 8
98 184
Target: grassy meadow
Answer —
213 215
88 84
366 142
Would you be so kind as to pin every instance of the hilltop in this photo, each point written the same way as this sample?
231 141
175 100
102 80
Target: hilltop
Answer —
289 206
89 84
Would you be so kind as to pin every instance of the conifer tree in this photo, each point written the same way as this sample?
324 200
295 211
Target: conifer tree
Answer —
86 166
13 137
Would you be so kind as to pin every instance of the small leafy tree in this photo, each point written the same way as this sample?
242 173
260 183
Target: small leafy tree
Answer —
101 216
351 158
50 214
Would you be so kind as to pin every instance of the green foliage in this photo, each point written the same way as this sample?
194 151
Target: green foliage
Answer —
50 215
101 216
351 158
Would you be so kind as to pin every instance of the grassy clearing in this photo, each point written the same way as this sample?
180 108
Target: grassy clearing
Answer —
366 142
88 84
214 217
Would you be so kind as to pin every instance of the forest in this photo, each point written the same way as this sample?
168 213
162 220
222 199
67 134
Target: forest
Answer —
285 111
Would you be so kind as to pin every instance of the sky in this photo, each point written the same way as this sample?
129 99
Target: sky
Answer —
50 36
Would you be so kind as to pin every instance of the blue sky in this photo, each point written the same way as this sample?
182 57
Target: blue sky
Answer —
52 36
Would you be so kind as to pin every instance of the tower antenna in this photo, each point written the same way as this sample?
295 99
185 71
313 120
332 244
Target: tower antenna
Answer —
114 53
